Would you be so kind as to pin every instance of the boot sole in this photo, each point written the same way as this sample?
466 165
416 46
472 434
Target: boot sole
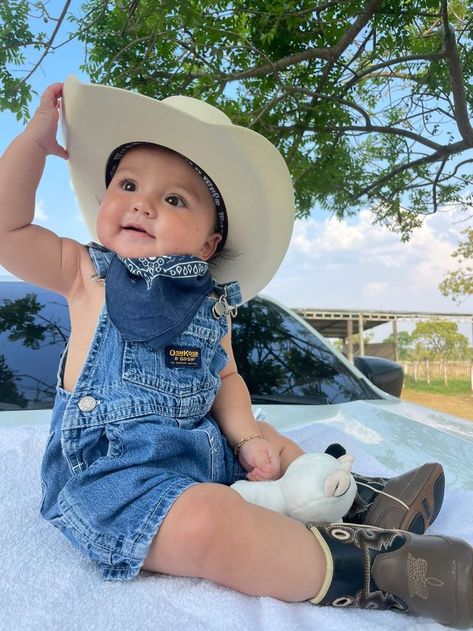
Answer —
423 494
425 508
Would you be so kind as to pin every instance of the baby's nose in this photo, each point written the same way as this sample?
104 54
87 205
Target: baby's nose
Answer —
143 206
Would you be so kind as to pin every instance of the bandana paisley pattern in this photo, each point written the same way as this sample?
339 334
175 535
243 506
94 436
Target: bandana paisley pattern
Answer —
177 266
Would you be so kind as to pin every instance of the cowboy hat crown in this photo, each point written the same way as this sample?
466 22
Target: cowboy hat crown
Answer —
248 170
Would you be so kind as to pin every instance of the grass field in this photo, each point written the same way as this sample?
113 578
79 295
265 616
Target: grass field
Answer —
455 398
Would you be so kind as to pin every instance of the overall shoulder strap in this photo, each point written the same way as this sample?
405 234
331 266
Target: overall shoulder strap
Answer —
101 258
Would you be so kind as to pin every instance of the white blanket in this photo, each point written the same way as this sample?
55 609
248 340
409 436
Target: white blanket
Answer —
47 585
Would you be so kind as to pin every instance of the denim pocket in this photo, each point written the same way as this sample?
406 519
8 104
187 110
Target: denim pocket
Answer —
84 447
186 388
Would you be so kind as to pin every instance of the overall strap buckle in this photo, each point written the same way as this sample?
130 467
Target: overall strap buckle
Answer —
221 306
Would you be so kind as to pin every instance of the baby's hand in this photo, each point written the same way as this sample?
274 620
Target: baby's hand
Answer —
260 459
43 125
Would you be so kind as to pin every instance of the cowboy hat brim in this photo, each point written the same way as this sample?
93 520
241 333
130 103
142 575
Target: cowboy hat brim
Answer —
249 171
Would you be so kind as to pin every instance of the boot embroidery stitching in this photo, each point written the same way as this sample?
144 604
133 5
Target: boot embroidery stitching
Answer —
366 540
417 579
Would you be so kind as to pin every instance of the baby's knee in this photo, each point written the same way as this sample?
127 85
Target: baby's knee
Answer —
192 528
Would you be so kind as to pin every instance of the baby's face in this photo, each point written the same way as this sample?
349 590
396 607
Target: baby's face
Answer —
156 204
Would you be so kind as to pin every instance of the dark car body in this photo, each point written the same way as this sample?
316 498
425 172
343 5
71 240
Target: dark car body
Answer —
281 359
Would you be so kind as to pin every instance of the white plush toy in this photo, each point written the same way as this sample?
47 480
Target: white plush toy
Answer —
316 487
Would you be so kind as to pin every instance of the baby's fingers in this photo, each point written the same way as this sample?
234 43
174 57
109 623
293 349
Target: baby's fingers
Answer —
61 152
256 476
51 96
263 472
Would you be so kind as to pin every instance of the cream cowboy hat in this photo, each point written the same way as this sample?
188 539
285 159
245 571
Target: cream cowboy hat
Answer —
248 170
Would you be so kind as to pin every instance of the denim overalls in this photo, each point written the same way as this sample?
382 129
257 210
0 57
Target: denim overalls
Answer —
133 435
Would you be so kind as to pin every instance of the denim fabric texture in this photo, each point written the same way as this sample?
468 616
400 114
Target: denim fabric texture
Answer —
133 435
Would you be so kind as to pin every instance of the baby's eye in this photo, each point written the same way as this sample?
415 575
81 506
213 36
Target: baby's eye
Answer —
128 185
175 200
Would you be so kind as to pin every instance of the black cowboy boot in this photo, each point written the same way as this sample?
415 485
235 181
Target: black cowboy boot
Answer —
367 567
410 501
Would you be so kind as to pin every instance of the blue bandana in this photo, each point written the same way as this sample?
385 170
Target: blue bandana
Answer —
153 300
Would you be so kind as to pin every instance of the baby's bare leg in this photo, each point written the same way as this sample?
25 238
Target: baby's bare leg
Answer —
211 532
288 450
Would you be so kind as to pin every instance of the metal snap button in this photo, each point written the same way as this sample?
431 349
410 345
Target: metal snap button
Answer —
87 404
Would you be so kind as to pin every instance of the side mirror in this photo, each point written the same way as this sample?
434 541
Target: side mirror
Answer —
385 374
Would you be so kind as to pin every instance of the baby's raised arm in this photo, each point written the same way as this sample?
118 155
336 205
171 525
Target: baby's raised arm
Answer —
31 252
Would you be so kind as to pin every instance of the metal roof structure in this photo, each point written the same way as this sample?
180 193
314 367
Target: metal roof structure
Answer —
340 323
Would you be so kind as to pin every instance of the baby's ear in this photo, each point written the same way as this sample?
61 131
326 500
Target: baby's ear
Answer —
210 246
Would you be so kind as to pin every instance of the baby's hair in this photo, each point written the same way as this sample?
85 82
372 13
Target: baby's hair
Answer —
227 254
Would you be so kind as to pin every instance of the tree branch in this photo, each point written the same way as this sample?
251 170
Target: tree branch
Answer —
445 152
48 45
368 129
361 21
282 64
319 96
329 54
456 78
435 184
392 62
336 51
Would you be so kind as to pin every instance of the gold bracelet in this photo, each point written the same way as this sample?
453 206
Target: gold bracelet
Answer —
236 449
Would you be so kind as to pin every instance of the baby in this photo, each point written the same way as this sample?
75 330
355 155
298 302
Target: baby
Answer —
152 421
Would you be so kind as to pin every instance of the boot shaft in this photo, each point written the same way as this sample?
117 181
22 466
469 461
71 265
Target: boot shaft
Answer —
390 569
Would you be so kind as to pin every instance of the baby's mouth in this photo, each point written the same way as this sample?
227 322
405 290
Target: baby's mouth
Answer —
136 229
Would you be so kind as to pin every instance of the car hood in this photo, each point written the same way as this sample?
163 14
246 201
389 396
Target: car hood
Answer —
401 435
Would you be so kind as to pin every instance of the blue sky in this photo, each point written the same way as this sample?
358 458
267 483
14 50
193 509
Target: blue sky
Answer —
330 264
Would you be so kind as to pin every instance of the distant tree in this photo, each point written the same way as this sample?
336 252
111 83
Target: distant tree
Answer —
367 338
458 284
404 343
369 100
337 344
439 340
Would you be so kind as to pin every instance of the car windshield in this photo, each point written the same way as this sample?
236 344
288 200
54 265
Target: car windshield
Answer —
282 361
279 358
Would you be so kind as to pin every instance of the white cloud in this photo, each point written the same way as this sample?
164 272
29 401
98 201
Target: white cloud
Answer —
375 289
357 264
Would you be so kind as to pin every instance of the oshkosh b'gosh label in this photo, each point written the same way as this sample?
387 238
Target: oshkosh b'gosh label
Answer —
182 357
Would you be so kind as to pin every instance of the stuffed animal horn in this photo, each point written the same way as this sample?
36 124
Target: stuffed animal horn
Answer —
316 487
